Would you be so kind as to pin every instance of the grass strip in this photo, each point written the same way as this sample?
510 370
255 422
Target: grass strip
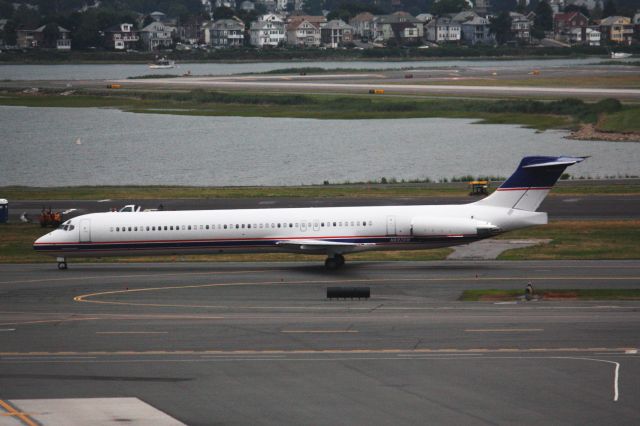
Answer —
565 113
360 190
552 294
579 239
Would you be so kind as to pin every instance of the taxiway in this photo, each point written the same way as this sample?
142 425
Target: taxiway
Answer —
258 343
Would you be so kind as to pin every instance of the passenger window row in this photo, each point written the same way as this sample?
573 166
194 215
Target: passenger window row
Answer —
273 225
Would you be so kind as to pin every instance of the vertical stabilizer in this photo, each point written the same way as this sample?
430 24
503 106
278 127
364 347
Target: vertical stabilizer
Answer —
530 183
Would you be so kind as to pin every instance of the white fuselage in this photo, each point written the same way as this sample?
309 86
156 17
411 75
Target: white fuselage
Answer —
330 230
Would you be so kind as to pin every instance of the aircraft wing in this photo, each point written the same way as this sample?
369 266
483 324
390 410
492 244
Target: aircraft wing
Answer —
322 246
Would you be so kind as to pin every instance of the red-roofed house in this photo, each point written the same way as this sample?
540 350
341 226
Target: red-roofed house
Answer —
565 22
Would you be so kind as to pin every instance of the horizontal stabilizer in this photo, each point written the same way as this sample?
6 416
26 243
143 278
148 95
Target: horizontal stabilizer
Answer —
528 186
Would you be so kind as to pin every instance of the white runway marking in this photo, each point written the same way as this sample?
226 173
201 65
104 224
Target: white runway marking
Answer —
7 329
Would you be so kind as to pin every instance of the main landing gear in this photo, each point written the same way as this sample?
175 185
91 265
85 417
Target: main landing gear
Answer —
334 262
62 263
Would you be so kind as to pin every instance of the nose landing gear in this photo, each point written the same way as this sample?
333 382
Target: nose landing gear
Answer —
334 262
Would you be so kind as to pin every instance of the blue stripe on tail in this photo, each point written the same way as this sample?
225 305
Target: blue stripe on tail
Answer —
539 172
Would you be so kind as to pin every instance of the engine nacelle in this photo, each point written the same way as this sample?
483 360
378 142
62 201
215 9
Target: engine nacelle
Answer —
425 226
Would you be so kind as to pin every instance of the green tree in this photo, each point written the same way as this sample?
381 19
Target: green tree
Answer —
223 13
449 6
51 34
500 26
313 7
6 9
10 33
544 17
609 9
26 17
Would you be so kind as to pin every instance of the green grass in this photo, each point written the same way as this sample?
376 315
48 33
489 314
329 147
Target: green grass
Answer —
623 121
613 239
551 294
202 103
364 190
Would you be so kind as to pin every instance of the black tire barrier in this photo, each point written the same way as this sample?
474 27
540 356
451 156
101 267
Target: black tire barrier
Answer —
348 292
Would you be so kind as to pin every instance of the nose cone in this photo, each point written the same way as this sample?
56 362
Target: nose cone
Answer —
37 244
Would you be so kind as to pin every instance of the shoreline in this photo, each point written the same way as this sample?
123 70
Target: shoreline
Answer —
589 132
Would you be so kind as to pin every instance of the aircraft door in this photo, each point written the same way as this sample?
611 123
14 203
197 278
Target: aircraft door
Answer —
316 224
85 231
303 226
391 225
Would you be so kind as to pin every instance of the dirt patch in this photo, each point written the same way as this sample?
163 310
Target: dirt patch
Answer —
559 295
589 132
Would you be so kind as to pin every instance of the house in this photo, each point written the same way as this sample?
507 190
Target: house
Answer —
336 33
520 27
400 26
362 25
26 39
303 33
424 17
121 37
268 30
584 35
225 33
157 35
565 22
443 29
617 29
477 31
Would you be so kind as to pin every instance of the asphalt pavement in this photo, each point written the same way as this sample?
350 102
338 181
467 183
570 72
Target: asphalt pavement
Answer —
259 343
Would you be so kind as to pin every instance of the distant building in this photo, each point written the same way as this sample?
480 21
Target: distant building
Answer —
225 33
268 30
477 31
362 25
481 7
617 29
27 39
585 35
121 37
400 26
303 33
520 27
336 33
565 22
443 29
157 35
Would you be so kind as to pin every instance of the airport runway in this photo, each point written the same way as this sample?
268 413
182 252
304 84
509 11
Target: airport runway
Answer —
558 206
258 343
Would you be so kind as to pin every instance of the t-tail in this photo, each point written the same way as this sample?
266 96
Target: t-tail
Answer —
530 184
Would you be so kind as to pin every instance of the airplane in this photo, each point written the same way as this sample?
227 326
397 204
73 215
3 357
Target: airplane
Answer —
329 231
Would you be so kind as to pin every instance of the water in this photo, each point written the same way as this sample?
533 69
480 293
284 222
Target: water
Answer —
39 147
119 71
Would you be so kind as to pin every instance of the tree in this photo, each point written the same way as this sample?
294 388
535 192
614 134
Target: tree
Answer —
51 34
449 6
544 17
500 26
312 7
522 6
609 9
6 9
223 13
10 33
26 17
